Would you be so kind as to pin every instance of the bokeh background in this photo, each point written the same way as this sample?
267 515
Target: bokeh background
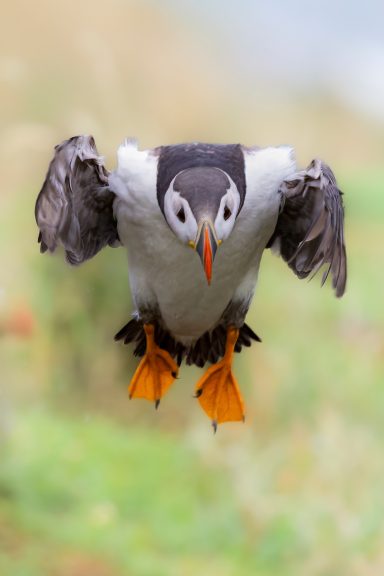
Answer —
92 484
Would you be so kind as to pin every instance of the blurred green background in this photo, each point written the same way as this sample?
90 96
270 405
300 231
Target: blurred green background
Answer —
92 484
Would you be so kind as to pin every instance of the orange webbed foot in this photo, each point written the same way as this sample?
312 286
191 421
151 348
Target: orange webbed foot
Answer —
218 391
156 372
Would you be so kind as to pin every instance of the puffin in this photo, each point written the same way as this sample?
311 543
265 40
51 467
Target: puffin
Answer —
195 220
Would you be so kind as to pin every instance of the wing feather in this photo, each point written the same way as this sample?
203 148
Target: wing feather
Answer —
75 205
310 227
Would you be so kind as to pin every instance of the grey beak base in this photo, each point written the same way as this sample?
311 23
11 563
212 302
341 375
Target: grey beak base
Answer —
201 247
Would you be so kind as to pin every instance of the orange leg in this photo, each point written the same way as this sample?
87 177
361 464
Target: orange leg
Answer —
218 391
155 373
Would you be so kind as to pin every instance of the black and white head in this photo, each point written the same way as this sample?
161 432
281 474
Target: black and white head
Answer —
201 206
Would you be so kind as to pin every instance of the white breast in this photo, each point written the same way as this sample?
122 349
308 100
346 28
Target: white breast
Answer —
167 274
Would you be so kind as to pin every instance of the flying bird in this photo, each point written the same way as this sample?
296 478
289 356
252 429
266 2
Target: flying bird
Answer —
195 219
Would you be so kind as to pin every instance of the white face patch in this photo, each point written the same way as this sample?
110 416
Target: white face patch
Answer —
179 215
227 213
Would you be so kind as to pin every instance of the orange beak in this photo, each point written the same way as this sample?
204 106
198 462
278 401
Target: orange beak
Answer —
206 245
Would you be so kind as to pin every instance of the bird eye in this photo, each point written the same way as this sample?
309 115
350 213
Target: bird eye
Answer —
181 215
227 213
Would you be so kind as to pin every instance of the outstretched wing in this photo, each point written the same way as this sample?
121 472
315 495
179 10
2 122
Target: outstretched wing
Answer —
75 205
310 227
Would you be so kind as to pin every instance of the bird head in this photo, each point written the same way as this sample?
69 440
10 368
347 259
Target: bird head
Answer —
201 206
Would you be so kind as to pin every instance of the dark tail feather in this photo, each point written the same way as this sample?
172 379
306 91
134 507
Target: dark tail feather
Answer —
130 331
141 345
247 331
209 348
246 335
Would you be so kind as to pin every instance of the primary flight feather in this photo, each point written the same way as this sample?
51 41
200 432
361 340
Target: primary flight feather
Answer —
195 219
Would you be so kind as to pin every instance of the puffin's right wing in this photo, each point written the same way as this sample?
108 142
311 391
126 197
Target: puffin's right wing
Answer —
310 227
75 205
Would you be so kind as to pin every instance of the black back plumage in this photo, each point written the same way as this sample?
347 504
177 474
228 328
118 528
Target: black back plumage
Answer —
173 159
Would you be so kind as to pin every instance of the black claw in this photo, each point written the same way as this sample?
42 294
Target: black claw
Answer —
198 393
157 402
174 374
243 418
214 426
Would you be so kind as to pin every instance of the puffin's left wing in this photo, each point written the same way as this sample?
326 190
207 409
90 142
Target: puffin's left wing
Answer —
310 227
75 205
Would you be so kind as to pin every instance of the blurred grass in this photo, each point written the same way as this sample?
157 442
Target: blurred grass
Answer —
87 488
143 503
